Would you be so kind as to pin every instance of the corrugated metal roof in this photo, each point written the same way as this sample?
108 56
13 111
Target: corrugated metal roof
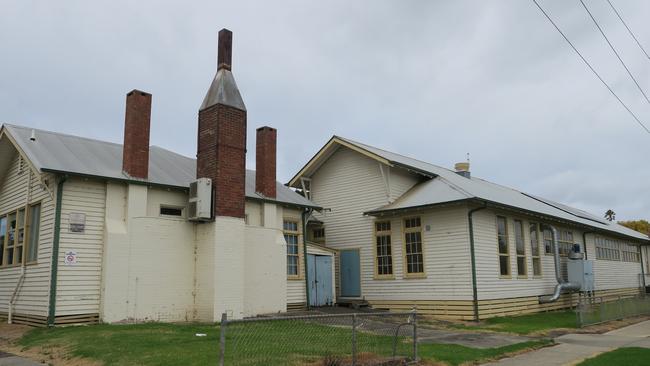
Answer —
58 152
448 186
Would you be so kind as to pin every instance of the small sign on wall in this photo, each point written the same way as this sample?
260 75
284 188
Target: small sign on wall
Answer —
70 258
77 222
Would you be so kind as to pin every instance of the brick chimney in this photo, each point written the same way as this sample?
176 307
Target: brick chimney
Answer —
265 156
221 148
135 154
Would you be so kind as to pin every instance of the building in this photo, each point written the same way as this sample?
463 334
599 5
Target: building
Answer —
95 231
410 233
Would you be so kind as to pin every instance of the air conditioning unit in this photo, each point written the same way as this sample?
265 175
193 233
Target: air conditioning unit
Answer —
200 203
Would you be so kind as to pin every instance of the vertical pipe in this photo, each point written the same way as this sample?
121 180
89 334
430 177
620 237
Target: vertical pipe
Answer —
473 260
642 269
305 217
354 339
55 251
222 338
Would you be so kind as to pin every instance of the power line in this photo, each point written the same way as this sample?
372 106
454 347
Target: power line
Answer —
629 30
600 29
591 68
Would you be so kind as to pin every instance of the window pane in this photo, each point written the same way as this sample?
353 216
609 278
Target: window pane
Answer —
537 267
414 257
34 228
534 241
519 238
503 245
504 265
521 266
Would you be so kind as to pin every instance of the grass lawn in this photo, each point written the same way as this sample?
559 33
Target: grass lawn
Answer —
259 343
527 324
631 356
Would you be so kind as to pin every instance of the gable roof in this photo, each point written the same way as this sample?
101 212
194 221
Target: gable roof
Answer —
446 186
61 153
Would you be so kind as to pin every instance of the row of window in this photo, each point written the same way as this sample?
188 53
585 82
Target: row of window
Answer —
615 250
565 243
413 253
19 231
414 256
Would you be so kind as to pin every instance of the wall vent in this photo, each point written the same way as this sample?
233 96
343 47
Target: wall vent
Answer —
200 202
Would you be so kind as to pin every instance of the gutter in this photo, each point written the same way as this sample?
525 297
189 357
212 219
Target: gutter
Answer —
561 285
473 259
305 216
55 251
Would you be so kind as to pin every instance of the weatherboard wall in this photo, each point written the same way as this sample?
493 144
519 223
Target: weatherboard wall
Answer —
32 297
79 281
349 184
491 285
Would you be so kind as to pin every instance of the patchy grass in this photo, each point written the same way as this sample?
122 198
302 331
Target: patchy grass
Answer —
526 324
629 356
259 343
452 354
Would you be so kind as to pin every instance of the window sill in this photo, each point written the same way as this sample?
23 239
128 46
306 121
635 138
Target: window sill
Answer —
384 277
502 277
294 278
415 276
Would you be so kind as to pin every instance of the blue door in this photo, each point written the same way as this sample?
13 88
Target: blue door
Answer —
350 273
320 280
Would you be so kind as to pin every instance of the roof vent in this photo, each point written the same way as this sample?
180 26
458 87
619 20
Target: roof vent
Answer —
32 137
463 169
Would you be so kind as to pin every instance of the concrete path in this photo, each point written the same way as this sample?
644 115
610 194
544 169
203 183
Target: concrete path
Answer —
573 348
7 359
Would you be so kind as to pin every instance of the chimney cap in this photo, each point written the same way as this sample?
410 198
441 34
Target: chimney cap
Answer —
462 169
266 128
143 93
224 53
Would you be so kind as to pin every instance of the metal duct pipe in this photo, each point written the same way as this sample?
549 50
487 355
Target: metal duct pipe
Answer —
561 285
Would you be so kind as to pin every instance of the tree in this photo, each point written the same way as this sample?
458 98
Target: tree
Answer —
642 226
610 215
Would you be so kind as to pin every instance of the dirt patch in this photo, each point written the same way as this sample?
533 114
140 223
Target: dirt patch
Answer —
50 355
600 328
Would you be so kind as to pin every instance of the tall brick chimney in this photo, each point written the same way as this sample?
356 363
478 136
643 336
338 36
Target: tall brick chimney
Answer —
135 154
265 158
221 148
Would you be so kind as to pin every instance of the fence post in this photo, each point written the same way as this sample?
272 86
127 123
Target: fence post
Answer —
354 339
222 339
415 334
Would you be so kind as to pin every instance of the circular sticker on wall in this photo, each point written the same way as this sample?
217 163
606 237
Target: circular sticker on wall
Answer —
70 258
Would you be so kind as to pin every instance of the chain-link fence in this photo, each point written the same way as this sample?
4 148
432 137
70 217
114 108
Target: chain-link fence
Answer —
596 310
362 339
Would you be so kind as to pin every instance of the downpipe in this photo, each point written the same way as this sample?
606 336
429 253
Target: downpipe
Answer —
561 284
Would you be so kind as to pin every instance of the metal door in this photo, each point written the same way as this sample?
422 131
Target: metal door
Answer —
350 273
320 280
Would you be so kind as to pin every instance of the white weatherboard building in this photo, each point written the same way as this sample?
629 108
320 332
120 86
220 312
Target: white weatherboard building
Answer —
95 231
410 233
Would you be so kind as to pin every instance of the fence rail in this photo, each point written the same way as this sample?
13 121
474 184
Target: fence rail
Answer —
359 339
596 310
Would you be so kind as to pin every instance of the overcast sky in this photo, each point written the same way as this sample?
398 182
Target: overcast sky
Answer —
428 79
